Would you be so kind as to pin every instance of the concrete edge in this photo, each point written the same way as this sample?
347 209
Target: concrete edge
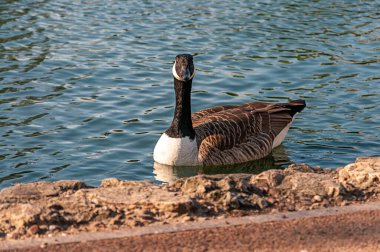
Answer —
187 226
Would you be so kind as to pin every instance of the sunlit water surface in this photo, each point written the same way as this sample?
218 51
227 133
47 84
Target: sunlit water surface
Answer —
86 86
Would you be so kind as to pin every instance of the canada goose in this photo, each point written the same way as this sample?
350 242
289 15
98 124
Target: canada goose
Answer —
226 134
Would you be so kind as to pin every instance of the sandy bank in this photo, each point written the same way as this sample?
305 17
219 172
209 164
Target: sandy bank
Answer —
64 207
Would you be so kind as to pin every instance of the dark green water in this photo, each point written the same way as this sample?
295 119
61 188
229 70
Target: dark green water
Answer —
86 86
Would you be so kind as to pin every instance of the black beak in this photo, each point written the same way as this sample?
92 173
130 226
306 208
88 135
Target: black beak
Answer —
186 75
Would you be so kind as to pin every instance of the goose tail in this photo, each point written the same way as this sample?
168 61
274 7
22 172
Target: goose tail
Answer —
295 106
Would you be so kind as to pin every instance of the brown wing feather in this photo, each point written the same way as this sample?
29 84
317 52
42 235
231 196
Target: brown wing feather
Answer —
240 133
210 111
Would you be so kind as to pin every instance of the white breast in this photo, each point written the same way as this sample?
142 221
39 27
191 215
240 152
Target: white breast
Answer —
176 151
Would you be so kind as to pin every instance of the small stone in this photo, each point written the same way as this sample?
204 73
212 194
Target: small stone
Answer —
116 222
325 203
263 204
137 223
110 182
227 199
13 235
315 206
291 208
317 198
147 217
34 229
147 211
274 210
52 227
188 218
332 191
344 203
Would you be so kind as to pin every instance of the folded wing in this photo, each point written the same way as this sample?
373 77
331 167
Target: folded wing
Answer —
240 133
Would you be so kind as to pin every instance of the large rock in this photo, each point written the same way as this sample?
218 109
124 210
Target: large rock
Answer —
361 175
115 191
21 193
42 208
310 184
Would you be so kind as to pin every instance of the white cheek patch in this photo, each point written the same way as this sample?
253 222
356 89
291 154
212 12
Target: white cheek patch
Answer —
176 75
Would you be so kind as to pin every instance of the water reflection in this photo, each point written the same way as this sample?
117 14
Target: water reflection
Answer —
277 160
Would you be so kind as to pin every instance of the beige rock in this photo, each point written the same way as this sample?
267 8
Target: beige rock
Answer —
268 179
25 192
362 174
114 182
299 168
48 208
197 185
115 192
23 215
317 198
310 184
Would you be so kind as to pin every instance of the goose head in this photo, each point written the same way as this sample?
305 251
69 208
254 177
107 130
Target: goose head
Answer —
183 68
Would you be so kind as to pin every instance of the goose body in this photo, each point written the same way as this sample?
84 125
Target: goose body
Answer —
227 134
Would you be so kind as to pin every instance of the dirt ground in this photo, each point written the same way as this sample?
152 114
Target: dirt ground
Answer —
348 228
54 209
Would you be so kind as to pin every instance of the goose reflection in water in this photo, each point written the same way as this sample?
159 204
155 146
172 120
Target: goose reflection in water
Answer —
277 160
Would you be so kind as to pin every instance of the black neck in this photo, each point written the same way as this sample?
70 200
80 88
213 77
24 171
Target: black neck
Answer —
182 125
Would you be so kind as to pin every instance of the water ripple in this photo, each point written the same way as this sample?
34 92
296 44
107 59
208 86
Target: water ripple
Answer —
86 87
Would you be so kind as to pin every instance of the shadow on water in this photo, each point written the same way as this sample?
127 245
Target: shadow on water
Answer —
14 176
277 160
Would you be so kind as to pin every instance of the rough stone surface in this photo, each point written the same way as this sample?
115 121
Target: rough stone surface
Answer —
362 175
57 208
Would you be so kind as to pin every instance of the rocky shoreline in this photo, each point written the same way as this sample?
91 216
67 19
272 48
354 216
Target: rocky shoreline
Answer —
65 207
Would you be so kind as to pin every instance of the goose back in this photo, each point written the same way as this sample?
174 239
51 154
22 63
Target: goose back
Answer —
240 133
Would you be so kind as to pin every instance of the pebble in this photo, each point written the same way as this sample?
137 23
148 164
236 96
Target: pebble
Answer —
13 235
274 210
34 229
344 203
148 212
325 203
188 218
263 204
317 198
147 217
52 227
